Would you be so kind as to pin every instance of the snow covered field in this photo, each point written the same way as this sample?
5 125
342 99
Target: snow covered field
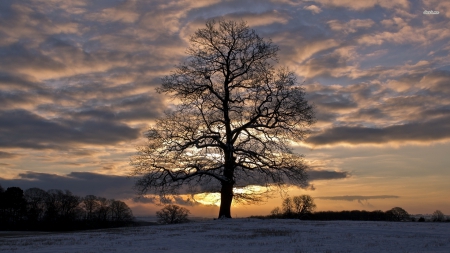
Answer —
242 235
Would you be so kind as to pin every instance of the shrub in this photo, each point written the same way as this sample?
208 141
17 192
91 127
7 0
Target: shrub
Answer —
397 214
172 214
438 216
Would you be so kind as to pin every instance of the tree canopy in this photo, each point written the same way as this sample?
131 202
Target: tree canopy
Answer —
234 118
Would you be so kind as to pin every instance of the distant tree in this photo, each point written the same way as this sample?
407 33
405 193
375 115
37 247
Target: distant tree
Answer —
421 219
438 216
91 206
236 118
2 206
276 212
288 207
36 206
171 214
120 212
62 206
397 214
303 205
14 205
103 212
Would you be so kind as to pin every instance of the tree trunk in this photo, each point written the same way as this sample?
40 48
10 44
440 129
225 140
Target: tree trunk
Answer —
226 197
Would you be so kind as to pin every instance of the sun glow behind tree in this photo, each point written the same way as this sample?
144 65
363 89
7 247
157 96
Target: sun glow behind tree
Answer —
233 125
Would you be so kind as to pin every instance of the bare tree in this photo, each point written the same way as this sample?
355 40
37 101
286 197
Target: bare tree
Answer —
36 206
103 213
397 214
438 216
275 212
234 122
303 204
91 207
172 214
120 212
288 207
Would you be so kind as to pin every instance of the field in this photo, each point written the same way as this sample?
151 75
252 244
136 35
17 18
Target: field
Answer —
242 235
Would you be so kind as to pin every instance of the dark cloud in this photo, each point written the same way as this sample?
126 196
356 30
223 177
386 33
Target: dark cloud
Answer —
314 175
333 101
359 198
79 183
328 65
21 128
437 81
8 80
369 114
431 130
7 155
10 99
17 56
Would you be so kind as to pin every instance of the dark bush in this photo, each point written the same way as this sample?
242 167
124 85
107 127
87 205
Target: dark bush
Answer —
172 214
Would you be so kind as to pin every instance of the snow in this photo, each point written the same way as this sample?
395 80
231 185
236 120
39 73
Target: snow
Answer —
242 235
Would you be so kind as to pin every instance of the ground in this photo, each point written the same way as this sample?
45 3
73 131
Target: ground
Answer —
242 235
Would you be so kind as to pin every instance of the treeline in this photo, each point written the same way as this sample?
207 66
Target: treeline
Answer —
302 207
36 209
394 214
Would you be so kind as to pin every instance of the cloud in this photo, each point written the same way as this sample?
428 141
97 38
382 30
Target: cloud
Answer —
358 197
314 175
363 200
24 129
125 12
431 130
313 8
260 19
7 155
79 183
362 5
350 26
11 81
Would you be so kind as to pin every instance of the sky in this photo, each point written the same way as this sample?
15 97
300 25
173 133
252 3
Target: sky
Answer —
78 79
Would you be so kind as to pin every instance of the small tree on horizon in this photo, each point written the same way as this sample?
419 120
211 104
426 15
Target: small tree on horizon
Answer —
288 207
172 214
397 214
438 216
303 204
234 122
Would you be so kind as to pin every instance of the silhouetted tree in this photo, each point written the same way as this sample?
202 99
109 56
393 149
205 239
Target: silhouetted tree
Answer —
172 214
91 206
377 215
397 214
303 205
59 210
2 206
438 216
235 120
14 205
120 212
62 206
103 211
276 212
36 206
288 207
